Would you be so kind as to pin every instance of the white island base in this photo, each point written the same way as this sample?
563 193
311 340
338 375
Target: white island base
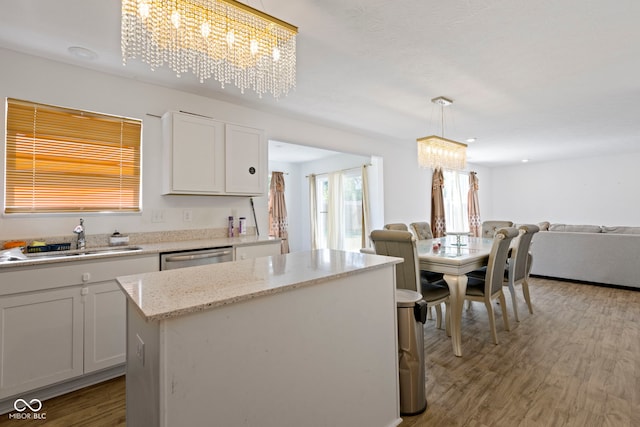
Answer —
319 352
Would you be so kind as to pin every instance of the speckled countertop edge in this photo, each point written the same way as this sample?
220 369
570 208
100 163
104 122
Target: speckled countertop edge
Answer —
172 293
145 249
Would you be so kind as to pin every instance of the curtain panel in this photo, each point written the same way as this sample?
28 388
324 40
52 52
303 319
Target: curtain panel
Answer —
278 211
475 224
438 223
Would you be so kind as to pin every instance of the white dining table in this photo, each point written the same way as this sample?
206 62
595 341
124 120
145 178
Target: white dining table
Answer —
454 262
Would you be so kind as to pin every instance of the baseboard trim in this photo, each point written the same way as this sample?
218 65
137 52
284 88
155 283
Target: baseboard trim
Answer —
44 393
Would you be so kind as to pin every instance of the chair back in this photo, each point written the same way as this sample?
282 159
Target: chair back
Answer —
489 228
399 244
396 226
498 259
422 230
519 261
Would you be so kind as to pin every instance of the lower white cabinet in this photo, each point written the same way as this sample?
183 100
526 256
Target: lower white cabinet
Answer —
41 339
255 251
62 321
105 324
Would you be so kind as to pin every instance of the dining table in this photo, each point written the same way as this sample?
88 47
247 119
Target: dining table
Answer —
454 256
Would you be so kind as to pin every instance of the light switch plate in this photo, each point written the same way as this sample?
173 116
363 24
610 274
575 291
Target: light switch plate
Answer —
140 349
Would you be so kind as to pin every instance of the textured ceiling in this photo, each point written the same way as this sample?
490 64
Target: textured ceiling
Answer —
541 80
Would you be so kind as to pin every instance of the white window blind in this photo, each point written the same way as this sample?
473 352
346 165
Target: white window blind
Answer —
64 160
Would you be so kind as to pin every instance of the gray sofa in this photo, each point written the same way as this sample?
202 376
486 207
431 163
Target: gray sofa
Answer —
590 253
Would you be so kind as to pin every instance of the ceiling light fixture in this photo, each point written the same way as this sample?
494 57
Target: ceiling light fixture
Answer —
223 39
438 152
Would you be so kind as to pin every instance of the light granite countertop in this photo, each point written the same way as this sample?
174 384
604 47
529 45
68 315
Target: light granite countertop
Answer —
140 249
172 293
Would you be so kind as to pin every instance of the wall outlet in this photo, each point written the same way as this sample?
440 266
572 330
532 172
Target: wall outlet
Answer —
157 215
187 215
140 349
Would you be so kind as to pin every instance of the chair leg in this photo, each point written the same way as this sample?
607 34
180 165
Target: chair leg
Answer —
447 318
438 316
429 314
527 297
512 290
505 314
492 320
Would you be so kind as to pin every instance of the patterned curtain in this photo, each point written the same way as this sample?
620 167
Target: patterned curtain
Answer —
278 211
475 224
438 223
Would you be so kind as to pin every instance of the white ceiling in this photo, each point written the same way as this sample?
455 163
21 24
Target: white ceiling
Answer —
542 79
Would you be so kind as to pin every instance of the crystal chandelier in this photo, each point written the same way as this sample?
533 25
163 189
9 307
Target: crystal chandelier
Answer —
223 39
438 152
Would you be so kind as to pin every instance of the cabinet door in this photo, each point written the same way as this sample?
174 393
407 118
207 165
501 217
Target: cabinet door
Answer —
104 326
40 339
194 154
246 160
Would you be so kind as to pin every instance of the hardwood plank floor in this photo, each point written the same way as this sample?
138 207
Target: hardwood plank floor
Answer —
574 362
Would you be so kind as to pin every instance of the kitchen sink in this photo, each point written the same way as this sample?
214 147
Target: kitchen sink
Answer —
80 253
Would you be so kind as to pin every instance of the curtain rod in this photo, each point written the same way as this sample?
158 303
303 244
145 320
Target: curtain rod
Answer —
339 170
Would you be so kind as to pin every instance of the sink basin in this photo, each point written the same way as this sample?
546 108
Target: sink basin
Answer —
63 254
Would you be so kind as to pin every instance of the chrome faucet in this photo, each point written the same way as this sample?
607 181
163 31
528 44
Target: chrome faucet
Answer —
79 230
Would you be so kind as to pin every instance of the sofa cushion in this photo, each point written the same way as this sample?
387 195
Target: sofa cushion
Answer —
544 225
576 228
621 230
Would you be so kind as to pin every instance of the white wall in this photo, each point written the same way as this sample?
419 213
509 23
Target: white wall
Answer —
40 80
598 191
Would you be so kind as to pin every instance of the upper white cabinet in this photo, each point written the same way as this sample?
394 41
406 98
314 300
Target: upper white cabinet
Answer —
208 157
246 166
193 154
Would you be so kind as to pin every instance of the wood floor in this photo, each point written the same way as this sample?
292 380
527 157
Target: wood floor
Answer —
574 362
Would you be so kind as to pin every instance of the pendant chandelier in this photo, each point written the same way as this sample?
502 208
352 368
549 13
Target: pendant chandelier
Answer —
438 152
223 39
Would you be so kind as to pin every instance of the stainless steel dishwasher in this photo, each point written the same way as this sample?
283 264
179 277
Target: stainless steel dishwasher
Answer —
191 258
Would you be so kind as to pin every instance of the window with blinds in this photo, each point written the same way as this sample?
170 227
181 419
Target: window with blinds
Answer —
63 160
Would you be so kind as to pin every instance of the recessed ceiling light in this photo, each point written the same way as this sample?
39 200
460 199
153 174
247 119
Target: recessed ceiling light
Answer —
525 160
82 53
471 139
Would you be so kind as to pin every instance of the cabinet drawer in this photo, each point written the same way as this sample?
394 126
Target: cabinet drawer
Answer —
70 273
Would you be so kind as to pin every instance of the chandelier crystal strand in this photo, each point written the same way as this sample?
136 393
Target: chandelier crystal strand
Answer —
220 39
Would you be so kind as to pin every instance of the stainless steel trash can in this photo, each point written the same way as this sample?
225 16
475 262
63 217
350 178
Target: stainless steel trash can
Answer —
412 313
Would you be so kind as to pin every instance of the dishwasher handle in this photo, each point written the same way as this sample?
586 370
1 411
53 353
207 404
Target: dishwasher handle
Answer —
178 258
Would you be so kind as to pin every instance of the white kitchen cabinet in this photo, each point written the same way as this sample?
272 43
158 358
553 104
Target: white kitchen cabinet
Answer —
104 326
40 339
193 155
63 321
255 251
203 156
246 160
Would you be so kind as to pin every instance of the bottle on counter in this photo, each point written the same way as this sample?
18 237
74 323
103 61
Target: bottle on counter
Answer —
242 226
230 231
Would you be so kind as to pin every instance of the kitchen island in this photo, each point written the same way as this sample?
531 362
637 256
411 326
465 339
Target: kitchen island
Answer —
307 338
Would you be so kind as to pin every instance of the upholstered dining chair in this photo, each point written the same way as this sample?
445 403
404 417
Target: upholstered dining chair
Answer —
519 266
398 226
422 230
489 228
489 288
402 244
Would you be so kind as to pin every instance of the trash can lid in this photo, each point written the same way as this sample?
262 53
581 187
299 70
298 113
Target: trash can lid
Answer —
407 297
